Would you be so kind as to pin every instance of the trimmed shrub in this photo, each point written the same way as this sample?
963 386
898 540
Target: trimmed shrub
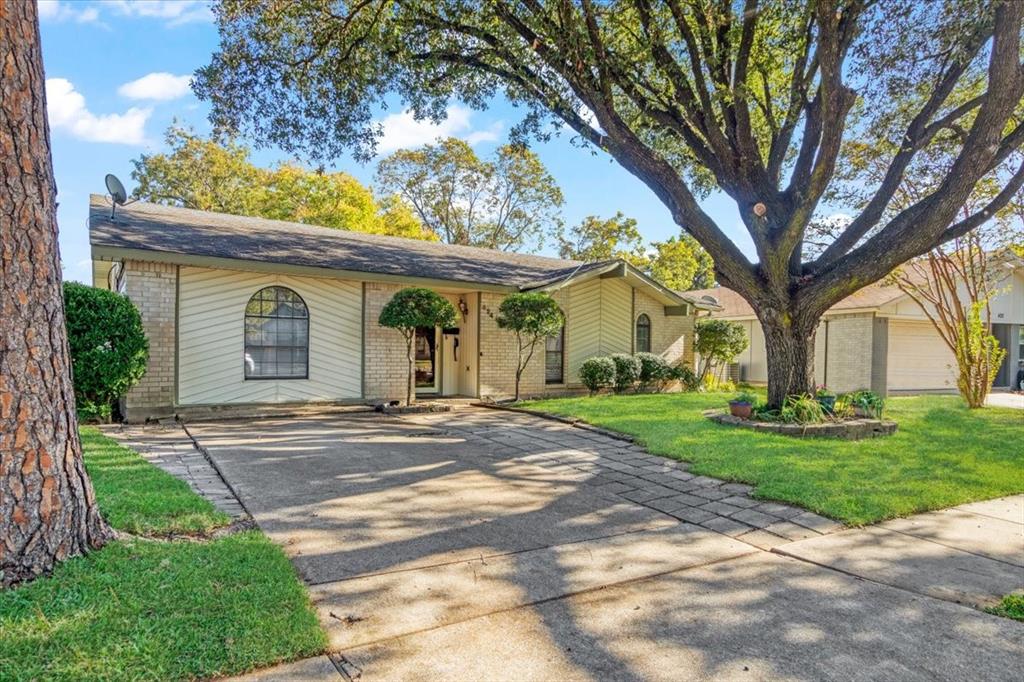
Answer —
654 371
108 347
627 371
596 373
686 377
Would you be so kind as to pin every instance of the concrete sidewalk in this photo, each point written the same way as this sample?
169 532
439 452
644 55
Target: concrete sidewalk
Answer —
482 545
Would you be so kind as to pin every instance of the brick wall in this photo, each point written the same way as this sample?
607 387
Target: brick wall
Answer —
850 345
671 336
152 287
385 363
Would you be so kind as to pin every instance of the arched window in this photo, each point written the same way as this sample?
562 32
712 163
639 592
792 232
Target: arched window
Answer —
554 358
276 335
643 334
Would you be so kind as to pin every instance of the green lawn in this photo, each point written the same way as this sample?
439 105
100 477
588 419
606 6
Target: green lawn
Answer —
942 455
156 609
139 498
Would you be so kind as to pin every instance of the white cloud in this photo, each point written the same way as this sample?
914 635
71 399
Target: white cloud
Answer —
402 130
159 86
175 12
66 109
55 10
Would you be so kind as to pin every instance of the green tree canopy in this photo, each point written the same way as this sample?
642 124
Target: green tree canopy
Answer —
108 347
208 175
597 239
508 202
532 317
413 308
754 98
681 263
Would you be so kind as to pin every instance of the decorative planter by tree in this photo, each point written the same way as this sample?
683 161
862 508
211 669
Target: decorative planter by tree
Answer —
532 318
410 309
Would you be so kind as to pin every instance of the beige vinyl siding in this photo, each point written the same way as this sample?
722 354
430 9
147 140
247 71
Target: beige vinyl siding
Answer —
211 312
599 322
918 360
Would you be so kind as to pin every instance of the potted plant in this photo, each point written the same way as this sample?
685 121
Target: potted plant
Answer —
826 398
742 405
867 404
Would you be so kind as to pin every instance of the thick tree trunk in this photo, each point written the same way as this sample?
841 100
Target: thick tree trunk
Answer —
789 346
47 507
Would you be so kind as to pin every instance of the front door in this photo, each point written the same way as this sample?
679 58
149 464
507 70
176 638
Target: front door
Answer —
451 354
428 373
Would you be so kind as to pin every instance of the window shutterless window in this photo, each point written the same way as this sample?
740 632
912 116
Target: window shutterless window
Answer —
554 358
643 334
276 335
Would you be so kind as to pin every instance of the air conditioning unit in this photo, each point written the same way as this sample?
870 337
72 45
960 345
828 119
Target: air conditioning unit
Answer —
732 372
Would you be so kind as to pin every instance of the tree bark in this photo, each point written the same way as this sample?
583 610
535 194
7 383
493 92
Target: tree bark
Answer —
48 510
410 385
789 348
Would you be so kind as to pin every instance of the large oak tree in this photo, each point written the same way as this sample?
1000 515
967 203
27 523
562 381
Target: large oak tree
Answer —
47 507
753 97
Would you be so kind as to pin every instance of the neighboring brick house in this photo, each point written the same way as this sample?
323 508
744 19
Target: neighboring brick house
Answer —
248 311
879 339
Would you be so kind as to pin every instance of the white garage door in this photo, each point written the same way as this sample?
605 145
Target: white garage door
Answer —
918 359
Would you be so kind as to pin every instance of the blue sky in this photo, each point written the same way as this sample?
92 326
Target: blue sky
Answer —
117 75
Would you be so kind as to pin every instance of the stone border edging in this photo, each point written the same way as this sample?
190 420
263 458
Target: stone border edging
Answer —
852 429
213 465
571 421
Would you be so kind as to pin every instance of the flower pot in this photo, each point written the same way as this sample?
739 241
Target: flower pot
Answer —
864 412
741 410
828 403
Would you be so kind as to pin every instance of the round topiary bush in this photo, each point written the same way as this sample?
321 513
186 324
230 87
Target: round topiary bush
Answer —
108 347
654 371
596 373
627 371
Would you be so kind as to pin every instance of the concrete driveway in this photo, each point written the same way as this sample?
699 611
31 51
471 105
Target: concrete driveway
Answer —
491 545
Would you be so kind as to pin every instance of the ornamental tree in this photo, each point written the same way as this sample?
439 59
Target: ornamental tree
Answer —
414 308
754 98
718 342
108 347
532 317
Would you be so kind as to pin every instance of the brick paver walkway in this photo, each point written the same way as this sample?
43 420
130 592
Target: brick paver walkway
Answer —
621 468
169 447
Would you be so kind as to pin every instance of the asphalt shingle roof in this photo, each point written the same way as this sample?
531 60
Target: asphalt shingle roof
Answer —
733 305
172 230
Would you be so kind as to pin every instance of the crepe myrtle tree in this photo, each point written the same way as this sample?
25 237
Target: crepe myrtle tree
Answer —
414 308
753 98
532 317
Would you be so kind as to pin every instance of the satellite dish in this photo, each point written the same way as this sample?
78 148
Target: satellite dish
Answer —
116 189
118 195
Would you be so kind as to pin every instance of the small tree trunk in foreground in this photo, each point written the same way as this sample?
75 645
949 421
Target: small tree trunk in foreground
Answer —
47 507
789 350
410 386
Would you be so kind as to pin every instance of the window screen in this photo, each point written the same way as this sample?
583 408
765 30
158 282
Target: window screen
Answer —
276 335
643 334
